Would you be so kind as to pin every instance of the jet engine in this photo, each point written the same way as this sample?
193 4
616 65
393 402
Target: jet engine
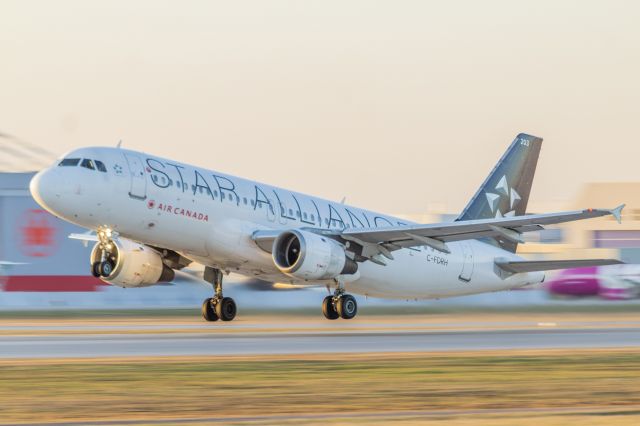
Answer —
309 256
125 263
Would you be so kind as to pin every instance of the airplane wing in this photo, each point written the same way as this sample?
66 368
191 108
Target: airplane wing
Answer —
510 267
84 237
375 243
387 239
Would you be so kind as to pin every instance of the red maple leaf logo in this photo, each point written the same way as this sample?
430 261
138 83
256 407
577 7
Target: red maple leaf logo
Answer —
38 235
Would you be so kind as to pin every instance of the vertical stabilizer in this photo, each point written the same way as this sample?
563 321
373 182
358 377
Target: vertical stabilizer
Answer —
506 190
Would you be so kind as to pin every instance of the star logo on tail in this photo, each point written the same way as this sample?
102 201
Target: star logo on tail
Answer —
502 189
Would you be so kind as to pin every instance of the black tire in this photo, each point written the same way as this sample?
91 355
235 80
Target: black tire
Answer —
96 271
226 309
106 268
208 313
347 307
328 310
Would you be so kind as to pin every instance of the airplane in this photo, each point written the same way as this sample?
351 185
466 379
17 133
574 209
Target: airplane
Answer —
615 282
5 265
152 216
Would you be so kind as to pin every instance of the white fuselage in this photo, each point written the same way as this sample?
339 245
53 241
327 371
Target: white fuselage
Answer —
210 217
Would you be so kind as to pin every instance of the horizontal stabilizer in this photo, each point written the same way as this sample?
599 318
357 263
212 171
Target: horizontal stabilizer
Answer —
515 267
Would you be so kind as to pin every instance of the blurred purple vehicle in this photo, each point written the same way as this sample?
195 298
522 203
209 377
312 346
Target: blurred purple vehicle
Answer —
615 282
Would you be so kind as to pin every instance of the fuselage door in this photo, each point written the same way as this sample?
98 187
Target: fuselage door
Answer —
138 188
467 262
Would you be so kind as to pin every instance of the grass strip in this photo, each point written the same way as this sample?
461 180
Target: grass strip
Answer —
226 387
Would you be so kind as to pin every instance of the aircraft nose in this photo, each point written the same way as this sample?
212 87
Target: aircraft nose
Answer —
43 189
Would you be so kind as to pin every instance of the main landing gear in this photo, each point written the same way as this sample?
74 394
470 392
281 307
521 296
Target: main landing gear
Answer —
217 307
340 305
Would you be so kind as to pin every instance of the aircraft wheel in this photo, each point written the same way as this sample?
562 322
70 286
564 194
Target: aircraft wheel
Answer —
106 268
95 269
226 309
328 309
208 313
347 306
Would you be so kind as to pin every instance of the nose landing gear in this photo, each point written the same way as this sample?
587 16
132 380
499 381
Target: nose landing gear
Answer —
107 255
217 307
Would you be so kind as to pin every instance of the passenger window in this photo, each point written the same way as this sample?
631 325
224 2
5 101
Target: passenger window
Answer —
88 164
101 167
313 219
290 212
244 200
69 162
304 215
298 214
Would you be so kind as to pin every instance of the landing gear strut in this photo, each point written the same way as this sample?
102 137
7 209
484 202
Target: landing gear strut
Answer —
217 307
340 305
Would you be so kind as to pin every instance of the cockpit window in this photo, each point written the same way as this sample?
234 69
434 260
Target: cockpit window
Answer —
69 162
88 164
100 166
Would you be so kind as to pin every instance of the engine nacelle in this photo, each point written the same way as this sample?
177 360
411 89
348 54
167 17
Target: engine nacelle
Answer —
135 265
309 256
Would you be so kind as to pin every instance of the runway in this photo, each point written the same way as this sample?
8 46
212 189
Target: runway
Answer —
281 337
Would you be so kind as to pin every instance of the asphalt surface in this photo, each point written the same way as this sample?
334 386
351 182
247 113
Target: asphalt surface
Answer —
292 341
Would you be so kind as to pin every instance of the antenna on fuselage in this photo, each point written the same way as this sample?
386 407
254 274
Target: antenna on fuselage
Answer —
343 200
119 144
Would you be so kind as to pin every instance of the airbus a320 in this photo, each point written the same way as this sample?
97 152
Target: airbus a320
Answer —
153 216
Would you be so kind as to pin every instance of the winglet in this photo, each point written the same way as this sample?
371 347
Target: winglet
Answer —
617 212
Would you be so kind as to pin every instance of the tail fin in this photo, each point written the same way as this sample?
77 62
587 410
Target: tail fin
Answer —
506 190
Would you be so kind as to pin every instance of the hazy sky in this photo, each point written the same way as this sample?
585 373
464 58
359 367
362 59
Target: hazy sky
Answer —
398 105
